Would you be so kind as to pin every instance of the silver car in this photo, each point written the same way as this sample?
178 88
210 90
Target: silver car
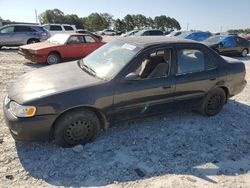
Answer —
19 34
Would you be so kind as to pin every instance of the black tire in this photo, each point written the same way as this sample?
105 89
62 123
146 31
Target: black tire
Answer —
213 102
0 47
31 41
76 127
53 58
244 52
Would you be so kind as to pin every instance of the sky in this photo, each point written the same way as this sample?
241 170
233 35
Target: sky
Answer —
206 15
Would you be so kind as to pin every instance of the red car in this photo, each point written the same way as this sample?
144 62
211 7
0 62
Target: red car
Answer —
61 47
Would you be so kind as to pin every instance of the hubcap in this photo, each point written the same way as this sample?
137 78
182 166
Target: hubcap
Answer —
78 132
244 53
52 59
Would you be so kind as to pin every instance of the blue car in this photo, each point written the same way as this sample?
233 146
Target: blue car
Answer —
196 36
229 44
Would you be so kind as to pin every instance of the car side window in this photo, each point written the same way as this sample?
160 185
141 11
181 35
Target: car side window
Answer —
75 40
22 29
89 39
68 28
190 60
229 42
55 28
155 65
7 30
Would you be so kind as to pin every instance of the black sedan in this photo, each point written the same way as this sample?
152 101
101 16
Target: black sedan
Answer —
229 45
126 78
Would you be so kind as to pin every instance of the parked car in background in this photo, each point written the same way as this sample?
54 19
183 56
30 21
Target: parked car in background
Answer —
150 32
196 36
127 78
247 37
59 28
175 33
129 33
84 31
20 34
229 44
109 32
61 47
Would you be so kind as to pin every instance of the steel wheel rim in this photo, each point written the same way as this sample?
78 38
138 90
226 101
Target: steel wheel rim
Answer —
214 103
78 132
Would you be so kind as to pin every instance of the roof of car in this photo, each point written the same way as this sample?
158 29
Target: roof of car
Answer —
153 40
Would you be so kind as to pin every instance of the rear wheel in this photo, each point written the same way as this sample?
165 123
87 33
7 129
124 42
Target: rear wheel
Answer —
244 52
53 58
76 127
213 102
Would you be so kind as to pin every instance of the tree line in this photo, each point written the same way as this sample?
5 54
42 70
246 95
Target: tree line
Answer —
238 31
100 21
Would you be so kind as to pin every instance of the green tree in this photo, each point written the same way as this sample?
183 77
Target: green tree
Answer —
140 21
73 19
108 17
52 16
119 25
150 23
128 20
96 22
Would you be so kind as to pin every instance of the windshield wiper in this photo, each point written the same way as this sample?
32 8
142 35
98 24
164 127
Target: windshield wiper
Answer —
88 69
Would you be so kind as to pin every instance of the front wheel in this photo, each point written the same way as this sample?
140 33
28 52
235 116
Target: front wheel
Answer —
53 58
76 127
244 52
213 102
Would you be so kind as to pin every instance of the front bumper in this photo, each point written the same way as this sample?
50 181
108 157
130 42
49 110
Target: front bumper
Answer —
37 128
33 57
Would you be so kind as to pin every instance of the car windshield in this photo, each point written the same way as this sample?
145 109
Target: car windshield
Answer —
58 39
215 39
139 33
107 61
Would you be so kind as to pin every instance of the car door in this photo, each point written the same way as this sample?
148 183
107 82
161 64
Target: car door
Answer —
23 33
73 48
6 36
196 73
228 45
147 93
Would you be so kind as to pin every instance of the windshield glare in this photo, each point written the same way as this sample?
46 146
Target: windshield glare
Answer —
58 39
111 58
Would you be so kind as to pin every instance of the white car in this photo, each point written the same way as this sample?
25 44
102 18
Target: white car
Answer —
59 28
109 32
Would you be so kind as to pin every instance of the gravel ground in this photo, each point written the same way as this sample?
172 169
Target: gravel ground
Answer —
182 149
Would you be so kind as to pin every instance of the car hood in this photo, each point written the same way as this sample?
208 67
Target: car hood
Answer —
50 80
40 45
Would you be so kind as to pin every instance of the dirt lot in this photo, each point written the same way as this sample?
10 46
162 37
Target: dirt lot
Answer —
182 149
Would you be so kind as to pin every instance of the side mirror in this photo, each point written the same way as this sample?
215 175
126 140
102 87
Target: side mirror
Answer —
132 77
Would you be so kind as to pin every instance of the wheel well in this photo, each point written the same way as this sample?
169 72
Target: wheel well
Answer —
33 39
55 52
247 50
225 89
102 118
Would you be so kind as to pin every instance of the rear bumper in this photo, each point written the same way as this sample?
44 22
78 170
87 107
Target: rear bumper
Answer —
238 89
37 128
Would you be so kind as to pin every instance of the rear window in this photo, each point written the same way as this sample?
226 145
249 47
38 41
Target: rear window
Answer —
55 28
68 28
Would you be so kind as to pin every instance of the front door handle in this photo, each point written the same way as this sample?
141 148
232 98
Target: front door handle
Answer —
166 87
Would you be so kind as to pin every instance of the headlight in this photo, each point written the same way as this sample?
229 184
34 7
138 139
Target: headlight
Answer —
20 110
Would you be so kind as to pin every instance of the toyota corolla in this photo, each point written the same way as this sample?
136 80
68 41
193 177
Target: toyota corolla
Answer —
130 77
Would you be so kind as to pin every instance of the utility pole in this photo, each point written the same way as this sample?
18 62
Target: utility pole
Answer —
187 26
36 15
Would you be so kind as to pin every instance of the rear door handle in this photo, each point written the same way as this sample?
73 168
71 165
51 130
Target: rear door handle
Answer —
166 87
